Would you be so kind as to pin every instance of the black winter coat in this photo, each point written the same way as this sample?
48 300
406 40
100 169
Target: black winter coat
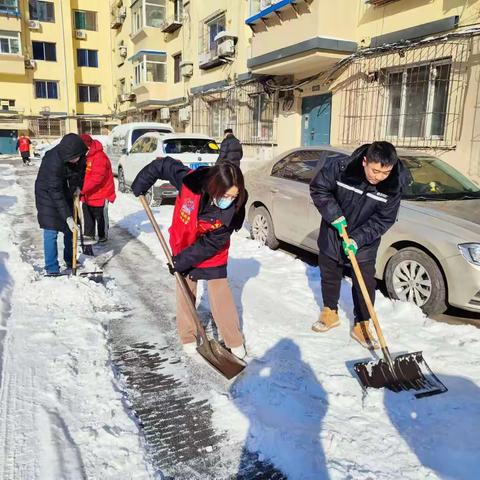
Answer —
57 180
340 188
230 150
206 245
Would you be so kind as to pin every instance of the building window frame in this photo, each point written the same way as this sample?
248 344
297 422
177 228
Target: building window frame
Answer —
210 28
9 7
177 75
44 52
87 58
262 117
398 122
150 63
85 20
42 10
90 127
219 118
10 42
88 93
146 13
50 89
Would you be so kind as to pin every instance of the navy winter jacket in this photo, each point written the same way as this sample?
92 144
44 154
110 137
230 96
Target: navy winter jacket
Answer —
340 188
207 245
230 150
57 180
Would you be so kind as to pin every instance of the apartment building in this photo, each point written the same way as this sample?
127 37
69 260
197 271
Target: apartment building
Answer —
55 68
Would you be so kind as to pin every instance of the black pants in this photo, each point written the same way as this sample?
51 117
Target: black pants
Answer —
332 273
25 157
98 216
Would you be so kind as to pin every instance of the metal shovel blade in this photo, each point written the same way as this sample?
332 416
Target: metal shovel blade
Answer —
96 276
410 372
221 359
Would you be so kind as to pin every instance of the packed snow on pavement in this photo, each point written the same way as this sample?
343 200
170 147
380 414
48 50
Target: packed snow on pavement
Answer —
298 402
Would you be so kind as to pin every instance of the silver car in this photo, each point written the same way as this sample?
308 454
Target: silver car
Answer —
431 256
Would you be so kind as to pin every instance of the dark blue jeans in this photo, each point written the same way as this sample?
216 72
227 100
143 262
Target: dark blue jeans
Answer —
51 251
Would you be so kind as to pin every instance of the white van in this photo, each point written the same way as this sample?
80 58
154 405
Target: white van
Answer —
124 136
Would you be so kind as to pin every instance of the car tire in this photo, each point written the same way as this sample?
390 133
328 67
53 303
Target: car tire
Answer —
412 275
262 229
122 186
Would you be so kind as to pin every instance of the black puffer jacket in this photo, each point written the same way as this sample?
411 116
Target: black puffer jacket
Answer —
340 188
57 180
231 150
206 245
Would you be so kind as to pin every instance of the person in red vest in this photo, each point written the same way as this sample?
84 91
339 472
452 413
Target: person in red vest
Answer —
209 208
23 146
97 191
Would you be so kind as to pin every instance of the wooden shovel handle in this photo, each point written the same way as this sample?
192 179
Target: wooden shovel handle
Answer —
180 279
75 236
365 294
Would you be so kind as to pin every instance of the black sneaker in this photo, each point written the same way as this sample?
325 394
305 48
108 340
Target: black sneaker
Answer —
52 274
87 240
102 240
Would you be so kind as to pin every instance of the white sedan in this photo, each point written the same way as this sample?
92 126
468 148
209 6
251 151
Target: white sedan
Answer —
192 149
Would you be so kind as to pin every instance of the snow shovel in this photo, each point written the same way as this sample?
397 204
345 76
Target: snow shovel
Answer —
210 349
96 276
408 371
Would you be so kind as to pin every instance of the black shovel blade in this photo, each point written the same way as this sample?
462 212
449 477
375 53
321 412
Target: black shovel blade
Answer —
96 277
410 372
221 359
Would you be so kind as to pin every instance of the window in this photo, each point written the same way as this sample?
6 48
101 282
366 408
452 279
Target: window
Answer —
6 104
299 166
87 58
177 59
417 101
178 10
190 145
48 127
140 145
218 118
150 13
92 127
9 7
46 89
44 51
9 42
88 93
138 132
262 117
41 10
151 68
85 20
211 28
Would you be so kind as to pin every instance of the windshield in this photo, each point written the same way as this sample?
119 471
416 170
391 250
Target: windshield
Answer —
138 132
433 179
190 145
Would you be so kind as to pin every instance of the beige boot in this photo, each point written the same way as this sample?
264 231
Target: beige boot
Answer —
364 336
328 319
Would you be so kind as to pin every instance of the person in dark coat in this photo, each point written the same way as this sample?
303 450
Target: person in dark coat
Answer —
209 208
230 148
60 176
361 193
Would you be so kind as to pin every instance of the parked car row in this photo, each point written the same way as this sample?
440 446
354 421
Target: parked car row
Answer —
430 257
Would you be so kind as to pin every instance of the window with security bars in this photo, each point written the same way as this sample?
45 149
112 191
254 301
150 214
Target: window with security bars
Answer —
48 127
92 127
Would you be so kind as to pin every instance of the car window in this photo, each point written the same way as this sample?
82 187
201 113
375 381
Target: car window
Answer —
300 166
430 177
139 145
138 132
190 145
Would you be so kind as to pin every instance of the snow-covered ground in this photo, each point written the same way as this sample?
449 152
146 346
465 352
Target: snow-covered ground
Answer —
298 402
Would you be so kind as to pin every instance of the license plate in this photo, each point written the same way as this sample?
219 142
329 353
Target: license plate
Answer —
195 165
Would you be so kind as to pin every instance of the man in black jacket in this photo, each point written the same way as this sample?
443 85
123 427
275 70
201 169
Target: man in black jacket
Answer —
60 176
230 148
361 193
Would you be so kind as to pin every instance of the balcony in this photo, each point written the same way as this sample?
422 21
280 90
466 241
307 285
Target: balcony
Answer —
171 24
149 95
301 38
12 64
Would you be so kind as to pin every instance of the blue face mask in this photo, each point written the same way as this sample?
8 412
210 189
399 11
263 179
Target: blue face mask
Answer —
223 202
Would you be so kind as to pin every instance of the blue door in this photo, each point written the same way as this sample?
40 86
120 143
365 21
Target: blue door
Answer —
316 117
8 141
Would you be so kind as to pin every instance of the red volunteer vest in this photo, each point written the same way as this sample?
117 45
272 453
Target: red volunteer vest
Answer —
186 228
24 144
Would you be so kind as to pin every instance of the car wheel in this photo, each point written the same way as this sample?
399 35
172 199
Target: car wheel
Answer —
122 186
262 228
413 276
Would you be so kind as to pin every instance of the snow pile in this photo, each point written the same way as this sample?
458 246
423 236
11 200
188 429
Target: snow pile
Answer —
61 413
299 403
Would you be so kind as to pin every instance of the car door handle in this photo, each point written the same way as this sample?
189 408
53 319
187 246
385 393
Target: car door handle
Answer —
274 190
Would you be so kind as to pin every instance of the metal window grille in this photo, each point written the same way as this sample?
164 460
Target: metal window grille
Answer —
412 97
48 127
246 108
92 127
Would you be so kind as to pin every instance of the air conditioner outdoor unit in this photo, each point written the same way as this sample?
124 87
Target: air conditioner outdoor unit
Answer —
184 114
226 48
34 25
122 12
80 34
164 113
186 69
122 50
30 63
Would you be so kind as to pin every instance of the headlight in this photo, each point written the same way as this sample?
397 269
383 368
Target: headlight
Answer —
471 252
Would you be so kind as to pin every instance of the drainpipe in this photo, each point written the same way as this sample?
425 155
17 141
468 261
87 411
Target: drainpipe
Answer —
65 64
